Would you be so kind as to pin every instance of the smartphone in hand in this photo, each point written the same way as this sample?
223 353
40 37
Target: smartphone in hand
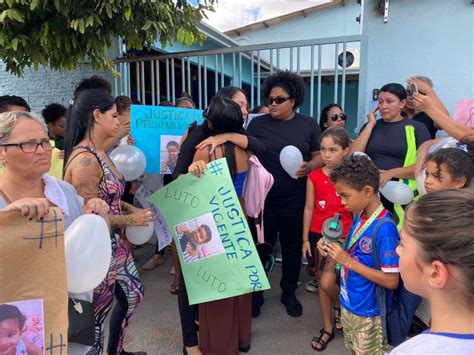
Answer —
411 89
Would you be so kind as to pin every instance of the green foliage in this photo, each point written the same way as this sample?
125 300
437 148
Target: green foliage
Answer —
62 34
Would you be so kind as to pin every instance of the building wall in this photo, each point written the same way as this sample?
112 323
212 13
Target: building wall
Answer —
425 37
333 22
45 86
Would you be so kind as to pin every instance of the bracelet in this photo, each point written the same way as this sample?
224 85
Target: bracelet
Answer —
305 241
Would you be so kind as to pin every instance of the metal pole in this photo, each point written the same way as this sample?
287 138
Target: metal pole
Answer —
252 73
129 80
298 50
258 78
116 80
173 88
311 85
222 71
189 76
271 61
152 70
158 83
137 79
183 69
216 76
319 79
278 58
240 69
343 85
199 83
205 82
336 72
168 96
142 67
291 58
233 70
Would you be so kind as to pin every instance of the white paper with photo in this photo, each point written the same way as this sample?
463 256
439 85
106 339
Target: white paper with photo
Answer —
163 235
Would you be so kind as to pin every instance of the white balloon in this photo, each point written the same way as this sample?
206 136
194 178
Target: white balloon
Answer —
397 192
358 153
291 159
420 182
140 234
129 160
88 253
448 142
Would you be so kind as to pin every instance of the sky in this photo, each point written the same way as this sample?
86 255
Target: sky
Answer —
232 14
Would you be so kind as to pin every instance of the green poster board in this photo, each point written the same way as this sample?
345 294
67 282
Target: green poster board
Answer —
217 254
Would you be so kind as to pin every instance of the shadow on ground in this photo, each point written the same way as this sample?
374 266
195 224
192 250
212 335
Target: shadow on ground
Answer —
155 327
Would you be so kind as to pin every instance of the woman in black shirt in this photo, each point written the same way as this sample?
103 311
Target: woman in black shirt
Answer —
284 205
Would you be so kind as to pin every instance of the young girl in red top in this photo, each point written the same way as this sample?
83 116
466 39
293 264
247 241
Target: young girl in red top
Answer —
322 202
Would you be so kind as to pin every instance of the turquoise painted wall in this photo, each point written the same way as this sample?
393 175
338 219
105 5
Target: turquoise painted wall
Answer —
433 38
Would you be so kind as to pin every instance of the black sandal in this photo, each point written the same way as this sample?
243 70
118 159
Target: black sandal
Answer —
337 318
319 340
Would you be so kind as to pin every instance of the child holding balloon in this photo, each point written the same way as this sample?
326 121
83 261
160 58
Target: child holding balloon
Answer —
322 202
437 263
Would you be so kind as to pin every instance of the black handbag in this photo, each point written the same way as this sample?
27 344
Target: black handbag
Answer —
81 328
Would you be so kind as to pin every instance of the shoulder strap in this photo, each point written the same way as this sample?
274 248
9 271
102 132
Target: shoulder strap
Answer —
380 291
375 232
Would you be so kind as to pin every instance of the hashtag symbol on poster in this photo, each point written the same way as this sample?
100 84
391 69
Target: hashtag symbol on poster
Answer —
470 121
52 346
216 168
41 238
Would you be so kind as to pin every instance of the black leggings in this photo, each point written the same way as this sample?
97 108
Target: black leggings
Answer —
289 230
188 315
116 319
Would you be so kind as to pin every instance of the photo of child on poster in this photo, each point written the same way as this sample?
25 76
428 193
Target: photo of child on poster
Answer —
22 328
169 146
199 238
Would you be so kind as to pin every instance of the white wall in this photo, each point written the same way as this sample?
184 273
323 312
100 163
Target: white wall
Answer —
42 87
434 38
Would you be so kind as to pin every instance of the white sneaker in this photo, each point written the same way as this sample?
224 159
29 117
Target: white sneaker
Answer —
312 286
153 262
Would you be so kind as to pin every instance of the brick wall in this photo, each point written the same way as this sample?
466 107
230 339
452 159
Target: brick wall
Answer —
42 87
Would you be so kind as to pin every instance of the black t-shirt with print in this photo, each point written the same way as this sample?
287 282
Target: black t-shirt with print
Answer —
303 132
387 145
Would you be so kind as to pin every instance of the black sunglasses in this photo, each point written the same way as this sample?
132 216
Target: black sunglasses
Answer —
278 100
342 116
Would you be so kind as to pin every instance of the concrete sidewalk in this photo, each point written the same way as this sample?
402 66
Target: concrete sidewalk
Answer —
155 328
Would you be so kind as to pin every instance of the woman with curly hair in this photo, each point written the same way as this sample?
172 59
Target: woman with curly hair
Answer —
284 205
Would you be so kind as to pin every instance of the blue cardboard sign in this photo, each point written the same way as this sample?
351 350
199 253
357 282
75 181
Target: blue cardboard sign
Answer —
157 131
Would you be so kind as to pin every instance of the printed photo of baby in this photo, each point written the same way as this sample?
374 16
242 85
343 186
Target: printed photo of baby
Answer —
199 238
22 328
